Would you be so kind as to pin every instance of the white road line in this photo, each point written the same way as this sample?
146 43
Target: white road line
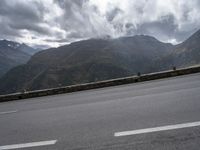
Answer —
28 145
157 129
8 112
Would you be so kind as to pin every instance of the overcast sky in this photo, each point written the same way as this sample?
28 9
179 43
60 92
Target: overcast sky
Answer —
50 23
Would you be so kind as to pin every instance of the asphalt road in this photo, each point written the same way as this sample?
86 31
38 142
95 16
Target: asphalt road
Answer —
88 120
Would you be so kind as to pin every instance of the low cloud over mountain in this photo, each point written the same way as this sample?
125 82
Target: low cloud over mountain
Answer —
100 59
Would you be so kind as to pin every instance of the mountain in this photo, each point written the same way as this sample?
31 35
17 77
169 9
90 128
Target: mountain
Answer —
13 54
99 59
188 53
86 61
184 54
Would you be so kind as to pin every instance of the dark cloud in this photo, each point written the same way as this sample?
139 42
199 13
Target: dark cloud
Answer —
6 31
21 11
162 29
21 16
111 14
69 3
56 22
142 17
77 18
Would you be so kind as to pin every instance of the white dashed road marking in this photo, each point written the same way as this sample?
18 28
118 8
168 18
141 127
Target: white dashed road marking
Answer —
28 145
8 112
157 129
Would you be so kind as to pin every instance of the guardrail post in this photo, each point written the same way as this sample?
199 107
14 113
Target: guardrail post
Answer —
24 91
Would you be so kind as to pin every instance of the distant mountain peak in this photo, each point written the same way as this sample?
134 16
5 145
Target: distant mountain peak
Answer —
13 54
10 44
18 46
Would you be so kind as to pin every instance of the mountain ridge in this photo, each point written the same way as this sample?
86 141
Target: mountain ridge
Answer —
96 60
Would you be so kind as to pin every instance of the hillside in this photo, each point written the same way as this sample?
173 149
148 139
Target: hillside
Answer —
188 53
184 54
100 59
86 61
